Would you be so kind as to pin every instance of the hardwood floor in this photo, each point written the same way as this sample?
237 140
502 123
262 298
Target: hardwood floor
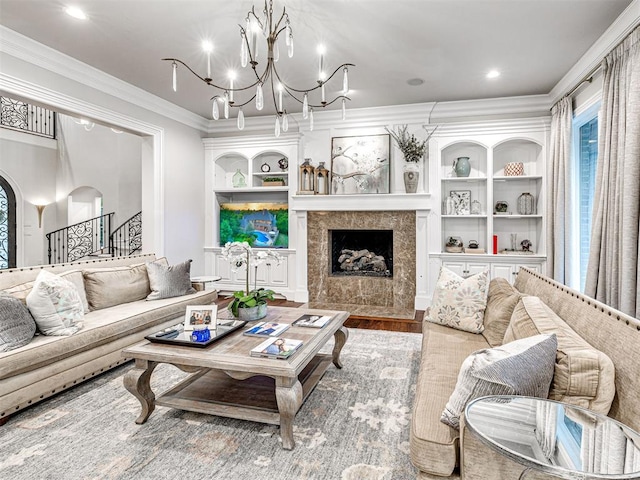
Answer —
391 324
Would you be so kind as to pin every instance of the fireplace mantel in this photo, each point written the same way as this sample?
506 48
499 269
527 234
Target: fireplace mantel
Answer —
420 203
352 203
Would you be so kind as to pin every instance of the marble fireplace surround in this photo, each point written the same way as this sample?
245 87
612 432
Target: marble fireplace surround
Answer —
315 215
363 295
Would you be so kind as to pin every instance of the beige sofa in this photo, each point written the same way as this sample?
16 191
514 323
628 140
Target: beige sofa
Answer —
50 364
439 451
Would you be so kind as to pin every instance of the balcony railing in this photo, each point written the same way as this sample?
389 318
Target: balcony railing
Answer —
27 118
127 238
80 240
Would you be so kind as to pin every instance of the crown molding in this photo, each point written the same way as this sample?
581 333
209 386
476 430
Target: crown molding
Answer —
418 113
252 141
617 31
26 49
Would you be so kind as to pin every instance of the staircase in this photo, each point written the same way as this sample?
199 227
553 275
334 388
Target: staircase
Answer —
127 238
95 237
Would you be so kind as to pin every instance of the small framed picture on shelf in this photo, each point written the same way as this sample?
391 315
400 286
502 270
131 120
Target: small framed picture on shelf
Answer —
199 317
461 201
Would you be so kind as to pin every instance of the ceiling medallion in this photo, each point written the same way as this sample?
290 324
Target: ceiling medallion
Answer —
272 31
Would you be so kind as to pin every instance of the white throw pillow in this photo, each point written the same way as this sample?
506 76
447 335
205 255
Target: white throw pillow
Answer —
55 305
522 367
460 302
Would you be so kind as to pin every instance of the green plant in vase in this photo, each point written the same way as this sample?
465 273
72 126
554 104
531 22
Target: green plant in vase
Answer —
413 151
249 304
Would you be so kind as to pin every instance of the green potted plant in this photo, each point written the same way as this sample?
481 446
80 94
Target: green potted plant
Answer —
273 182
249 304
413 151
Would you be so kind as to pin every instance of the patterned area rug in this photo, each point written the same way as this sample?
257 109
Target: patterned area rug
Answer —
353 426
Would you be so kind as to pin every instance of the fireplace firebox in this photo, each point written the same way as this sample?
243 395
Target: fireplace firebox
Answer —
361 253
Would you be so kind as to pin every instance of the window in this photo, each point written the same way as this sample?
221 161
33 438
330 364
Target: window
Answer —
585 141
7 225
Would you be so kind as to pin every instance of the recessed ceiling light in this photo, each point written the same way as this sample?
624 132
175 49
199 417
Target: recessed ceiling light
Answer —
493 74
414 82
75 12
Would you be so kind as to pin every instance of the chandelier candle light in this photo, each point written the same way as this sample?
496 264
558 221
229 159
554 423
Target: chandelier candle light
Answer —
272 31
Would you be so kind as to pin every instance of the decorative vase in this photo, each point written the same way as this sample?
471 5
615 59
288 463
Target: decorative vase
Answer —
449 206
526 204
252 313
238 179
411 177
462 167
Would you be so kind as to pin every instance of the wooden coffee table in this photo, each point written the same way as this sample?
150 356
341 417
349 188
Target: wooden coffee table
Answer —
226 381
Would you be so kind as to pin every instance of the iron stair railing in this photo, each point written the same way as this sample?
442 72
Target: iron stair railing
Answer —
127 238
80 240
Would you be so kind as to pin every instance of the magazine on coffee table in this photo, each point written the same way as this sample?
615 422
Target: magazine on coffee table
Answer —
279 347
266 329
313 321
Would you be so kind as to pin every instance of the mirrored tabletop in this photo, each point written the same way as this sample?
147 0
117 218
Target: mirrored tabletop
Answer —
562 440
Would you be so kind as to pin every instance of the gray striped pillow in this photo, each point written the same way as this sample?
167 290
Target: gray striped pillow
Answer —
169 281
522 367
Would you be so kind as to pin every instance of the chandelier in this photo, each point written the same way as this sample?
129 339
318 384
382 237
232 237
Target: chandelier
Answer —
272 31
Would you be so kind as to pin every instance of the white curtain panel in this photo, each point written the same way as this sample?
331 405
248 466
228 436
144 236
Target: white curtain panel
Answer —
560 246
613 270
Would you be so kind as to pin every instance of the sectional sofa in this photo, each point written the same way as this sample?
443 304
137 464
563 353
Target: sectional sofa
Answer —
600 370
119 316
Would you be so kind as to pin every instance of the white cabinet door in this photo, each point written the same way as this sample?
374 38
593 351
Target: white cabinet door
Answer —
503 270
278 274
466 269
223 269
456 267
474 268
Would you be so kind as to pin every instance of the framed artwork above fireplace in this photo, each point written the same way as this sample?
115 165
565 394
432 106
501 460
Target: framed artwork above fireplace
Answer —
360 165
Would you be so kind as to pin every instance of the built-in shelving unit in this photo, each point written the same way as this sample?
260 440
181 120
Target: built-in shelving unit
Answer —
251 160
489 147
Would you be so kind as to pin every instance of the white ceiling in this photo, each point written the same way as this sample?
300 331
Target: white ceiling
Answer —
450 44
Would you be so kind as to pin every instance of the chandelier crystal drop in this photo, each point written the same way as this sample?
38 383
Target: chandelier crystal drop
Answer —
215 110
240 119
273 30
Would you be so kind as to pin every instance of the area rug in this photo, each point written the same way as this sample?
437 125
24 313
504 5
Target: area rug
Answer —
353 426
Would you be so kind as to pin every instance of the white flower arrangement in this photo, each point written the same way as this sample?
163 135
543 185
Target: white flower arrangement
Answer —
240 254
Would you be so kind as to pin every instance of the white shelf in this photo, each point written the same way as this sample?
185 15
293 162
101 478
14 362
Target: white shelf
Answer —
466 216
465 179
514 217
271 174
502 178
252 189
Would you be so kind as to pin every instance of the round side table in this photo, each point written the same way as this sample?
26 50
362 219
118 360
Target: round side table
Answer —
199 283
555 438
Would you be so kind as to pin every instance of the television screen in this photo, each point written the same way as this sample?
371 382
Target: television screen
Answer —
259 224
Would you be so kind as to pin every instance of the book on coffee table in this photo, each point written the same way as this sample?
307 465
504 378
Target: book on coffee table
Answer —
266 329
279 347
313 321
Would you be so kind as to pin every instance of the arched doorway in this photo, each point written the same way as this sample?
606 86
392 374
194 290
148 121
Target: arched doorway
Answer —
7 225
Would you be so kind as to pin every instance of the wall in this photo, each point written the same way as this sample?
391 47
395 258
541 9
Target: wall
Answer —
172 152
28 163
100 158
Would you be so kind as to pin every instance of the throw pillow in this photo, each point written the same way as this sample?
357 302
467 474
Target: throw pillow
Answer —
111 286
169 281
584 376
55 305
17 326
459 302
523 367
75 277
20 291
501 301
